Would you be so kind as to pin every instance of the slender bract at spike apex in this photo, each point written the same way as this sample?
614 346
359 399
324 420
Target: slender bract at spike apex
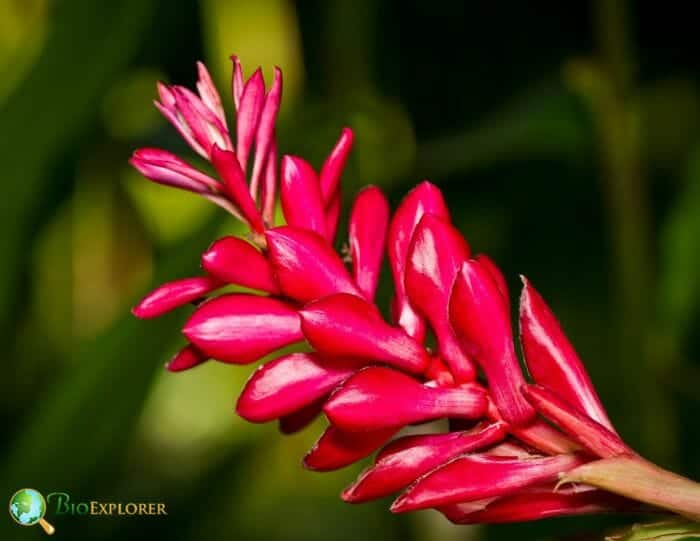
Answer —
346 325
236 261
552 360
405 459
266 131
208 93
591 434
337 448
165 168
237 81
300 196
202 123
332 169
482 325
241 329
379 397
425 198
306 266
174 294
436 253
369 220
168 107
248 115
289 383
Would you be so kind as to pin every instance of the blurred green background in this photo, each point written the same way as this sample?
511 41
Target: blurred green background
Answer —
566 136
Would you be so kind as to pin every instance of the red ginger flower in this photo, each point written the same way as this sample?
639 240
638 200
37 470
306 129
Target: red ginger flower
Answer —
370 377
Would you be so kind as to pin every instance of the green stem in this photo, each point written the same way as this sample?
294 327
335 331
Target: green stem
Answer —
640 480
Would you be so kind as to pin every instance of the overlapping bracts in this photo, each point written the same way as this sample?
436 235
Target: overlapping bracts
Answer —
370 376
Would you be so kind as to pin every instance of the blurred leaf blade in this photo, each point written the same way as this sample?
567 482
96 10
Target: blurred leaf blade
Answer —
55 102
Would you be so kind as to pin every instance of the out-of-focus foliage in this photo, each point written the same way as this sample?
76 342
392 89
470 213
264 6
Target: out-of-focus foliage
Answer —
566 139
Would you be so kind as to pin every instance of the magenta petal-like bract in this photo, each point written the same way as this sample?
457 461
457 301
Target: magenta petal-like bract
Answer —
337 448
236 261
282 386
300 419
237 81
332 168
537 503
486 262
591 434
425 198
240 329
300 196
306 266
475 477
226 163
482 325
269 186
405 459
347 326
379 397
266 131
369 220
552 360
436 254
209 94
202 122
188 357
165 168
174 294
333 214
248 115
540 435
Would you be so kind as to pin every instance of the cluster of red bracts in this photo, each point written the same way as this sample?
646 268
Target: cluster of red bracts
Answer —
510 441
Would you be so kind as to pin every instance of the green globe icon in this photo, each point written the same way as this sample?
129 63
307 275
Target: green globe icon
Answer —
28 507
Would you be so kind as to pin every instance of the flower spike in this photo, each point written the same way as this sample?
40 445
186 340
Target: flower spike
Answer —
510 450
